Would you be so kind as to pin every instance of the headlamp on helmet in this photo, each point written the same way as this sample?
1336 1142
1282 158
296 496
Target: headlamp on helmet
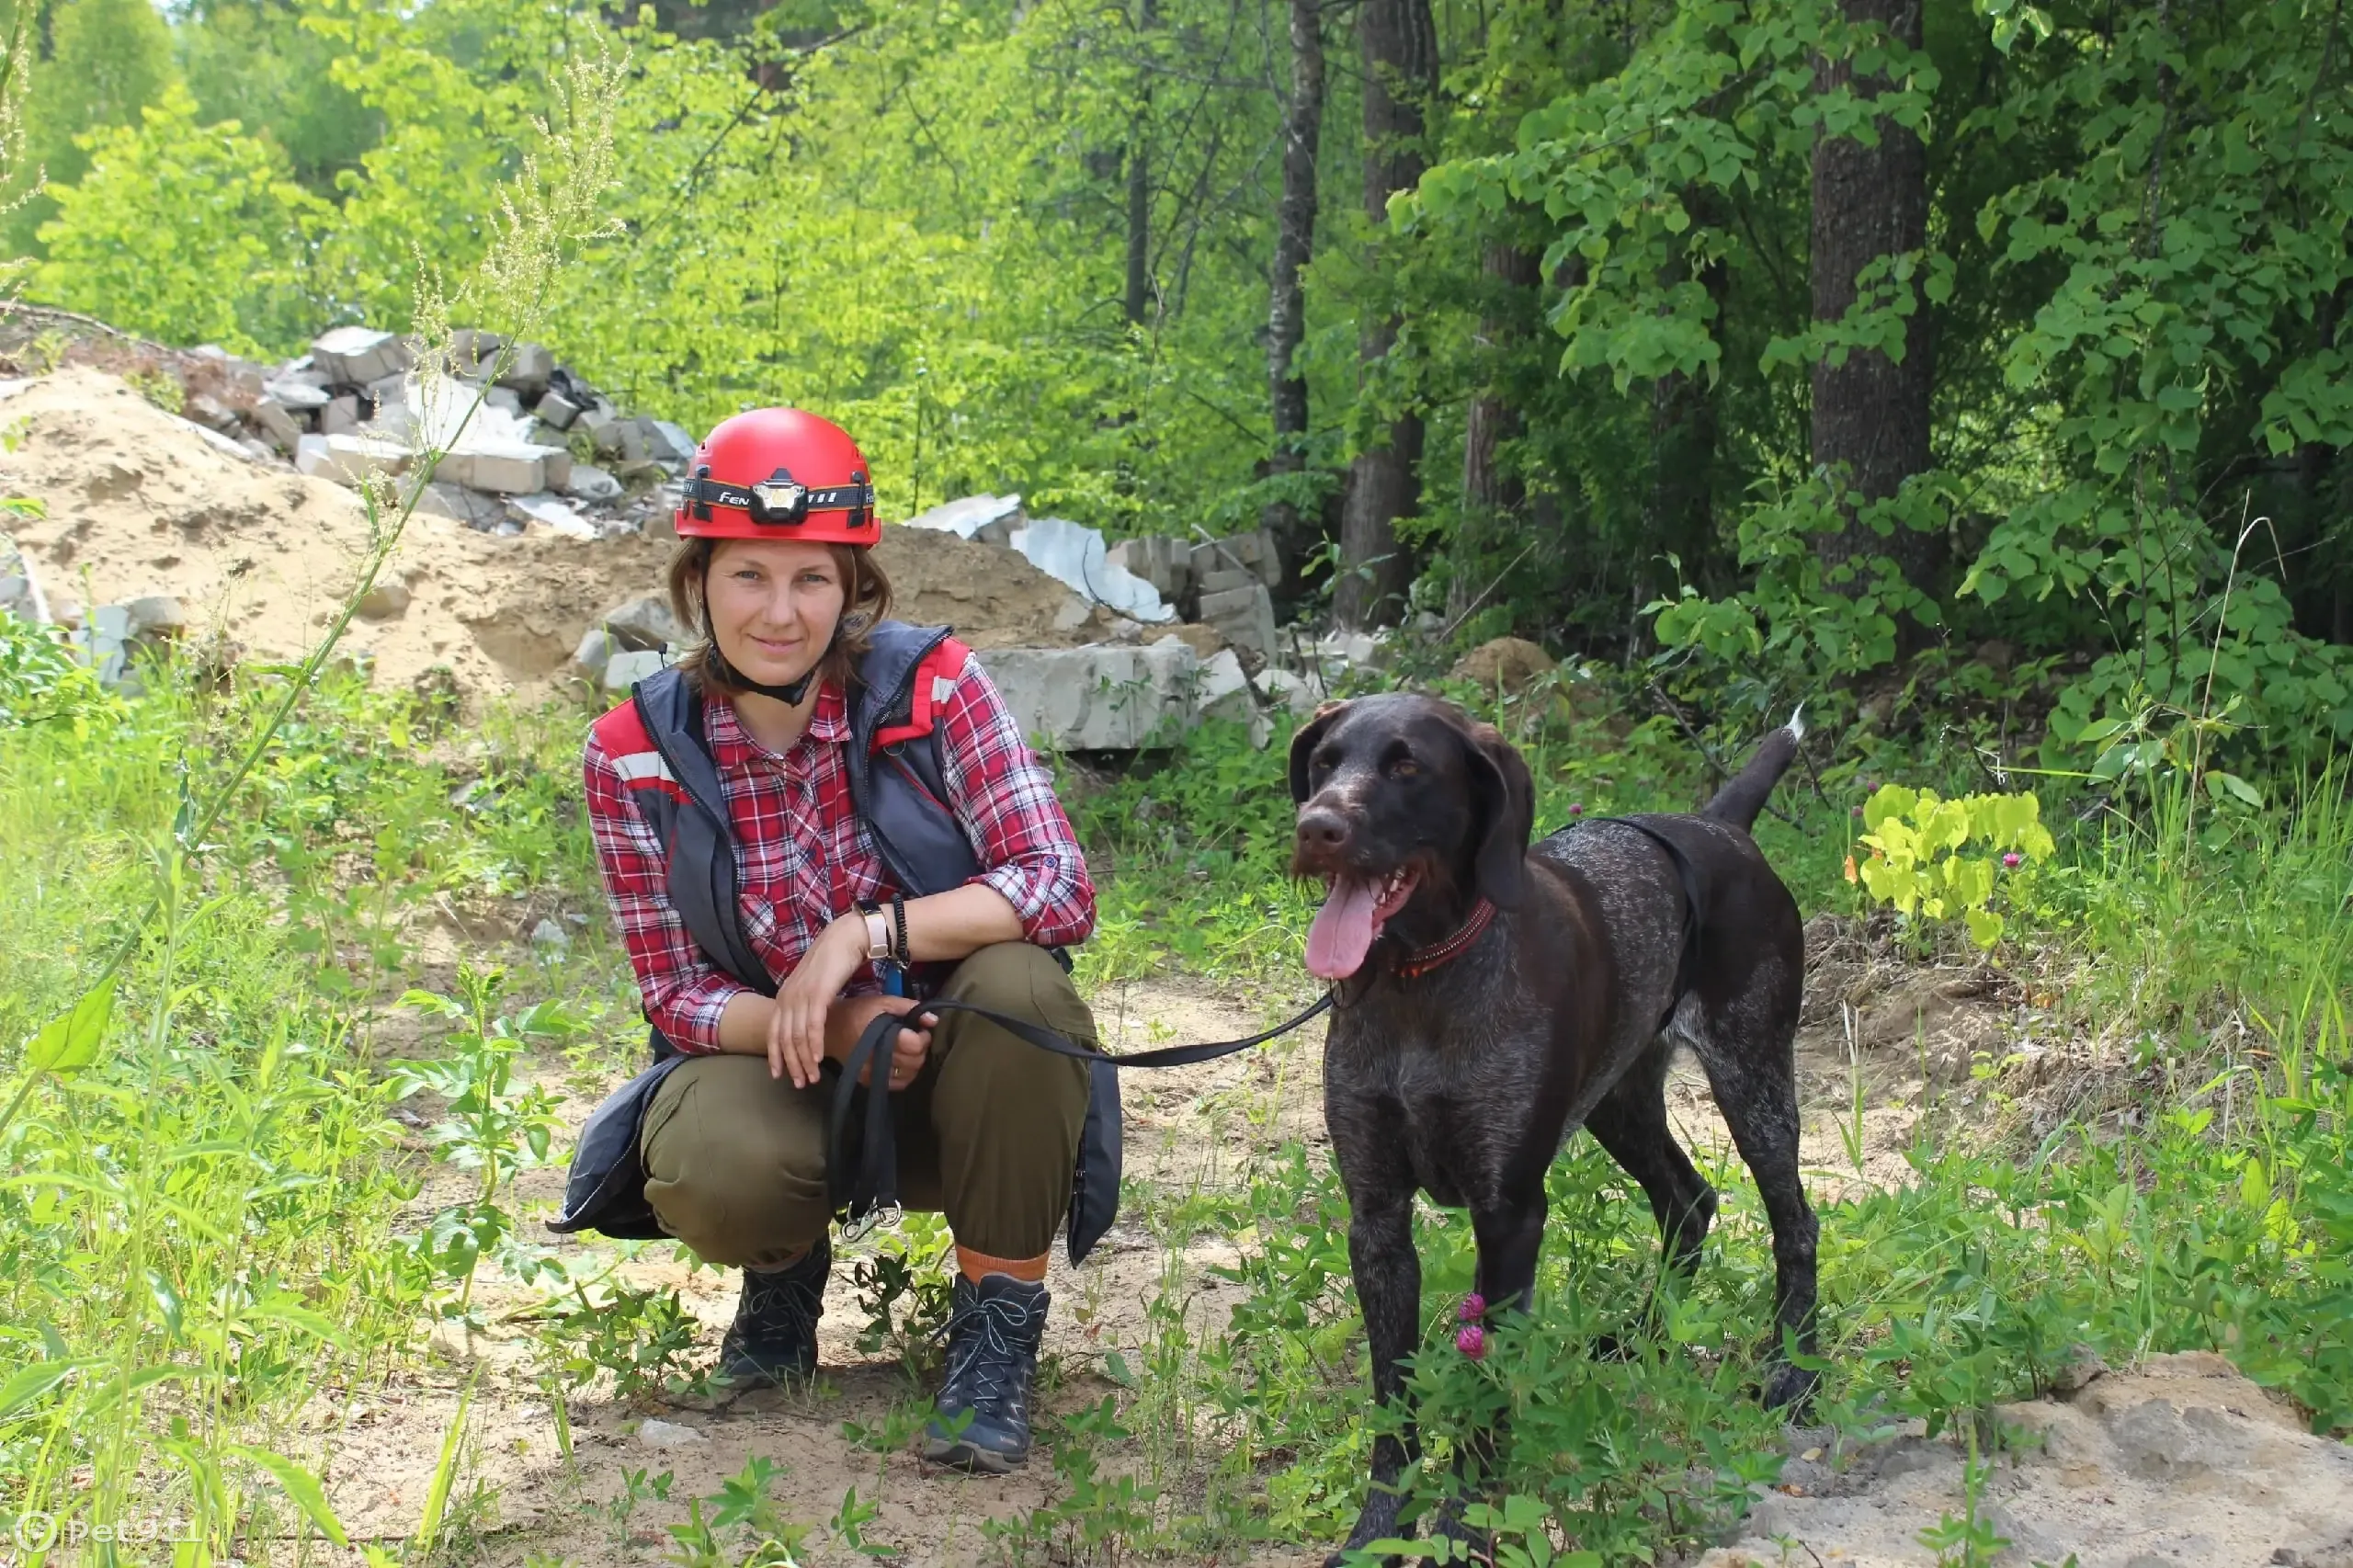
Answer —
780 473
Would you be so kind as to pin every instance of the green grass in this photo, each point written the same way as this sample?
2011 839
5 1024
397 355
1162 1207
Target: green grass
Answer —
196 1230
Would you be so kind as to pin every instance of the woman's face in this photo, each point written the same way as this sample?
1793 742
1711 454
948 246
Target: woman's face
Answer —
773 606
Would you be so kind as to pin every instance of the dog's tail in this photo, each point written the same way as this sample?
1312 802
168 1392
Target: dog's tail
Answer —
1739 801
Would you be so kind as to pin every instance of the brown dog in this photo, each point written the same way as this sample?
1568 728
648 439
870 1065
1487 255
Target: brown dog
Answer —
1494 997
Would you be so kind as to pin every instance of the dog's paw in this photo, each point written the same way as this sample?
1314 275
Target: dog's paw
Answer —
1790 1390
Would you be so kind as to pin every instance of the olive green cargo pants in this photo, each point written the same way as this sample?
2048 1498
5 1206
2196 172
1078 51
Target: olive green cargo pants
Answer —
987 1133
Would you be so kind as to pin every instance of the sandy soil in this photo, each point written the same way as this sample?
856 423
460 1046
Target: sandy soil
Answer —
138 501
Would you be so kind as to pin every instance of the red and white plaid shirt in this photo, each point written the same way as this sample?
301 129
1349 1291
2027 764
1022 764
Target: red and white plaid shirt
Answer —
803 858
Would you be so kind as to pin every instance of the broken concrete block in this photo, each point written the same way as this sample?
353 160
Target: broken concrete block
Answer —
20 593
604 424
278 425
556 463
504 400
297 394
1166 563
1245 616
1268 563
989 519
1224 691
552 512
340 416
1290 690
153 615
355 355
461 505
102 643
596 649
205 409
469 347
349 460
1106 698
504 471
644 623
589 482
526 369
557 411
1229 604
666 442
624 670
1225 579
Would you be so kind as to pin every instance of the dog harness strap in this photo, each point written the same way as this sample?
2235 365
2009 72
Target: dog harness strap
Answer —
1413 966
1686 873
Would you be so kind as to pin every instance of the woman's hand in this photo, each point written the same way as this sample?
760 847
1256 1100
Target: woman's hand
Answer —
797 1029
853 1014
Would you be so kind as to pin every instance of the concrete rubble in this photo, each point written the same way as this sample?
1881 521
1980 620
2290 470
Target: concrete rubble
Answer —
111 637
1155 635
525 443
20 592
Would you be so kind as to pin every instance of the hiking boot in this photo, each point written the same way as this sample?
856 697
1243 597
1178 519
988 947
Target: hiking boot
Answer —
775 1333
993 1336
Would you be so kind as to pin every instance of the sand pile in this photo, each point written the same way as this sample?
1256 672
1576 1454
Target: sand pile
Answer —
140 502
991 596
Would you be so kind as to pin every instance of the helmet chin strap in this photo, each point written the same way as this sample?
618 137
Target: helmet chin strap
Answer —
789 695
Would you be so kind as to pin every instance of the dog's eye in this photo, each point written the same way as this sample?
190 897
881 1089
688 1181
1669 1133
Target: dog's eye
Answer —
1404 768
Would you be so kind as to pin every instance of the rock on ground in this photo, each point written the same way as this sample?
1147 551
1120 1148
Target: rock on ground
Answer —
2179 1463
1512 663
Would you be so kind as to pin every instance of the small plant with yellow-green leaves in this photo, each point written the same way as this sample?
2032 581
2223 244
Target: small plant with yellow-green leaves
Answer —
1935 859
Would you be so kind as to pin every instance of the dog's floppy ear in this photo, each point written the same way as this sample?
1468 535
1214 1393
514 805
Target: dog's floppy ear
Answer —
1507 797
1302 746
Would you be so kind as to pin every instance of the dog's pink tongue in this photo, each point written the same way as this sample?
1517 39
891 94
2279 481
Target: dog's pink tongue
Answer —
1342 934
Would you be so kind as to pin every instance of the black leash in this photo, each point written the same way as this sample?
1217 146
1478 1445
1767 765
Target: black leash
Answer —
873 1192
874 1186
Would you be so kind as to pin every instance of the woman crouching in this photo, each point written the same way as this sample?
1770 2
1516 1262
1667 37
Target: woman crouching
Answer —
818 816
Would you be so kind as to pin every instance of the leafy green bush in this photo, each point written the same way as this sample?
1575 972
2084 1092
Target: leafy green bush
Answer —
124 247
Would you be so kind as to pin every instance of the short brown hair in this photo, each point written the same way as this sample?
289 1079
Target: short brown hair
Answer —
866 599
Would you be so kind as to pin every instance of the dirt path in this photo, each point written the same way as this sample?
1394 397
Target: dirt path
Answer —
1904 1036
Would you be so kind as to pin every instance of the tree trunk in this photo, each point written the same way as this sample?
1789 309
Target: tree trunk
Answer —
1491 499
1399 42
1870 414
1139 290
1679 511
1285 298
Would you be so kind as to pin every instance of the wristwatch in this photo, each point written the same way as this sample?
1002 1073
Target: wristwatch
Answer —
878 932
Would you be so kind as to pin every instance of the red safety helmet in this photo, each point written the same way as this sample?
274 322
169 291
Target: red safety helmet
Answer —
780 473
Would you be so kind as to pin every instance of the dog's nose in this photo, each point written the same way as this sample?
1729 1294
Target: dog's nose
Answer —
1323 831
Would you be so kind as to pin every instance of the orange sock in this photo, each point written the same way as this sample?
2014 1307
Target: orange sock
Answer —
973 1264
